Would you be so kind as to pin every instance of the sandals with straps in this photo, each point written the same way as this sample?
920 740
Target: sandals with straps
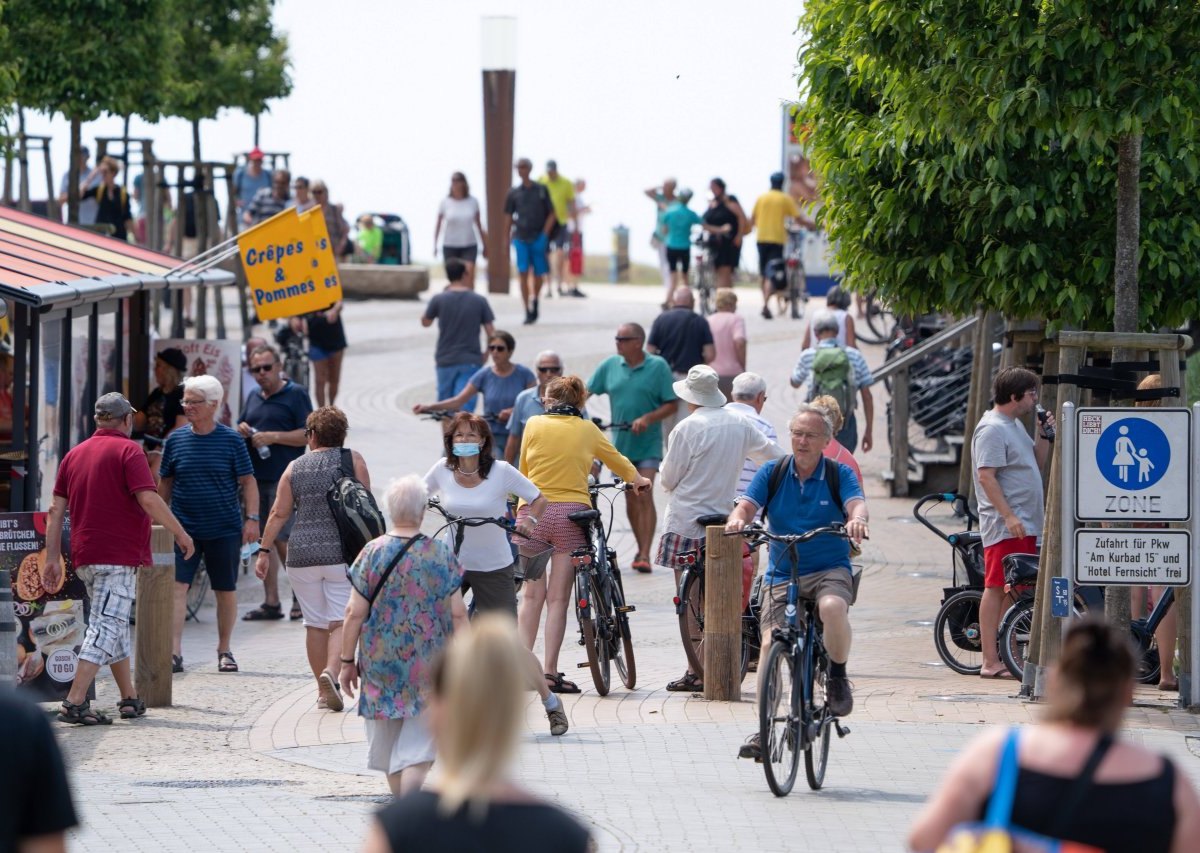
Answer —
559 684
82 715
690 683
131 708
226 663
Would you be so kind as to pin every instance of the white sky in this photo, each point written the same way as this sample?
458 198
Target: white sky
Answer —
387 102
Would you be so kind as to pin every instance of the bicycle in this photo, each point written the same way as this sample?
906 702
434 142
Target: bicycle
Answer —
689 607
804 724
702 277
460 524
600 596
881 322
614 427
294 354
797 280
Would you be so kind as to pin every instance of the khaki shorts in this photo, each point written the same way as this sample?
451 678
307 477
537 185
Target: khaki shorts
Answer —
774 598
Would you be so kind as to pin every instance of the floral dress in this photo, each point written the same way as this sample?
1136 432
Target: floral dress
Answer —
408 625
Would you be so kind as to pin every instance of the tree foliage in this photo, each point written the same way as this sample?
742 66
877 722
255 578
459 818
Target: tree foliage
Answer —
968 150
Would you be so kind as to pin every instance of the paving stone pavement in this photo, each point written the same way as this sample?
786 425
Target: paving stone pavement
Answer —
246 762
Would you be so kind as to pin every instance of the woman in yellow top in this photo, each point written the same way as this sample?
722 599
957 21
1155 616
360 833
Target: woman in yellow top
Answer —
557 451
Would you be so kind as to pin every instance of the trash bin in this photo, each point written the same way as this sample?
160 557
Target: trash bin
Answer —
618 264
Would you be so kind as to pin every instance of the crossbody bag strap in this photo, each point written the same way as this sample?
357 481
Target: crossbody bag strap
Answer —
833 479
1079 788
388 571
775 481
347 462
1004 791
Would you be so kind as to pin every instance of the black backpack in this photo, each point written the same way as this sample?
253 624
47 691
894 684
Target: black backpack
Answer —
354 510
833 479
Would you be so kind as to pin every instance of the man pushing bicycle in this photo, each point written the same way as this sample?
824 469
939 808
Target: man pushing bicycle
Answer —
809 492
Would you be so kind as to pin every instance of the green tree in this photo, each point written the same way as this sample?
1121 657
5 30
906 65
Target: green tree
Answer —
970 152
83 58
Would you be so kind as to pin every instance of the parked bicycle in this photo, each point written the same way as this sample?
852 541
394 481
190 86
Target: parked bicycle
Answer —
294 352
793 716
880 326
600 604
703 277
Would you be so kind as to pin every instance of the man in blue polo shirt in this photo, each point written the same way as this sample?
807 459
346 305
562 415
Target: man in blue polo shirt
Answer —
273 423
804 501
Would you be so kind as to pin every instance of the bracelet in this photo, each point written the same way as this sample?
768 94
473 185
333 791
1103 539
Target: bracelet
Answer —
533 518
344 660
252 518
859 518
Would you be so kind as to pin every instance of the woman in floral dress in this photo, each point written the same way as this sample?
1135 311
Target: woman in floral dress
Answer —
399 620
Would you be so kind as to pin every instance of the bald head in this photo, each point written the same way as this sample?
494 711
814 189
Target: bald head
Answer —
682 297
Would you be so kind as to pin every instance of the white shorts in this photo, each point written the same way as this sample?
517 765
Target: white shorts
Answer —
322 592
393 745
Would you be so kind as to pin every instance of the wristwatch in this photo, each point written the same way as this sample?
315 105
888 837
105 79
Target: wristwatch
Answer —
252 518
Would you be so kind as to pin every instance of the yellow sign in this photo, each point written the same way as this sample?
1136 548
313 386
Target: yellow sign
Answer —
289 264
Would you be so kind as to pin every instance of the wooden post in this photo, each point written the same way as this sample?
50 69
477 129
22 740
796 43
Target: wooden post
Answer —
900 433
155 606
981 391
723 616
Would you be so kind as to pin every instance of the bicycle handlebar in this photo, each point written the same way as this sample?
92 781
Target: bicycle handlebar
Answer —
612 426
760 532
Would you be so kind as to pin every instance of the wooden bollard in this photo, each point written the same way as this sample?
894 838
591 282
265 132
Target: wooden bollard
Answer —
723 616
155 605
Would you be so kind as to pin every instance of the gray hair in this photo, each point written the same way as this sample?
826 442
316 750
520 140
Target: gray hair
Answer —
807 409
406 499
209 386
747 386
825 321
549 353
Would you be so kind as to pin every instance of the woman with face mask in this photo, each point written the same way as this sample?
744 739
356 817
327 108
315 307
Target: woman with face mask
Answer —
469 482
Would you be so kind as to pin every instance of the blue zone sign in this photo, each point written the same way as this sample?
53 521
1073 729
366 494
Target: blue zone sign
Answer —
1133 464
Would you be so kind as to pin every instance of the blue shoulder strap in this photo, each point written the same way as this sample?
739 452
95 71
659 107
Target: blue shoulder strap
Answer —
999 813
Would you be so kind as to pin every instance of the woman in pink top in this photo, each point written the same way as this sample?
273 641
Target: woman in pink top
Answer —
729 339
835 451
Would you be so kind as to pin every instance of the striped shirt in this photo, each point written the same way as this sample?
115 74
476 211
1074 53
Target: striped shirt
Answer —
749 466
264 205
205 470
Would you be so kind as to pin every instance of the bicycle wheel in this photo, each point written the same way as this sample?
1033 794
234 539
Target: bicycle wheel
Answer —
956 632
196 593
590 606
817 720
880 322
778 722
621 640
750 641
705 293
1014 631
690 611
797 292
1149 663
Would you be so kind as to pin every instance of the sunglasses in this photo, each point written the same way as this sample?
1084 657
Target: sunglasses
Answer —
619 339
549 370
263 368
318 192
496 348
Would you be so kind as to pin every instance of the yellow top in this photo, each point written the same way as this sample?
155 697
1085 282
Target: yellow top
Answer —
557 453
770 211
561 192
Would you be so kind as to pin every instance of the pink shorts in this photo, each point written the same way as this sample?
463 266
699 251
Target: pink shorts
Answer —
553 531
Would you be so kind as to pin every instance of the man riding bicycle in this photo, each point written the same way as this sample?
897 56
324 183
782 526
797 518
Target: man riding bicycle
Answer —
798 500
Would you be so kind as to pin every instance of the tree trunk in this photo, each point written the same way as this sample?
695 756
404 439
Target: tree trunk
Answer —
73 176
23 164
256 131
1125 311
125 153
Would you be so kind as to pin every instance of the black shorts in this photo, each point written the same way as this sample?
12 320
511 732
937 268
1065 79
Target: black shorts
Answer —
222 559
768 252
679 259
560 237
462 253
726 255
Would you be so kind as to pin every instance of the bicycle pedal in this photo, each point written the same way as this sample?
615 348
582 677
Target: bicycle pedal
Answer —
627 608
583 665
842 731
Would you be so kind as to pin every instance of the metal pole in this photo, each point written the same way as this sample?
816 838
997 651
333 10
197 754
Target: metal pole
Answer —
1066 434
1194 640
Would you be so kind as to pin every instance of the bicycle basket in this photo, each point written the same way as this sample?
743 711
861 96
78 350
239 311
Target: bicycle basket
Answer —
532 568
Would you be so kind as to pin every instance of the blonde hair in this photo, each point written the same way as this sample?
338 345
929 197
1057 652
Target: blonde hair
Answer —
830 406
1153 381
480 679
726 298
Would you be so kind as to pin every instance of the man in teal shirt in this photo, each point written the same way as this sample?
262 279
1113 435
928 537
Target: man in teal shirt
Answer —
678 220
639 390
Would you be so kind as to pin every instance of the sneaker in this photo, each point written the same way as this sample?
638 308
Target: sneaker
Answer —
528 319
766 312
838 696
577 293
752 748
534 313
558 721
176 663
327 688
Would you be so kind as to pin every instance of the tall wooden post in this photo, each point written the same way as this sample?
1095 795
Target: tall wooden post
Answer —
900 433
155 606
723 616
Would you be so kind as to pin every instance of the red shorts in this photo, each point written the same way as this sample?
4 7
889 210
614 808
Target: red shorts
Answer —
993 558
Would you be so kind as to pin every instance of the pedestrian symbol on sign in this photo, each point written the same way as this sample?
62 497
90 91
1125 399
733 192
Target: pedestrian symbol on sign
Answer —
1133 454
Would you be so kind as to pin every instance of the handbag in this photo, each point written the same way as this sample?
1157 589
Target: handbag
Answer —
996 834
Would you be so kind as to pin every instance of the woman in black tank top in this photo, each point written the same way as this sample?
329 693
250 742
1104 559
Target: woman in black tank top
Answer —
1135 801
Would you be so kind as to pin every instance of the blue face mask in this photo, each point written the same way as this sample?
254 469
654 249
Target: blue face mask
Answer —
466 448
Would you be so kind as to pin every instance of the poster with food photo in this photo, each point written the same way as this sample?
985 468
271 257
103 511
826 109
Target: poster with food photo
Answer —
51 619
222 359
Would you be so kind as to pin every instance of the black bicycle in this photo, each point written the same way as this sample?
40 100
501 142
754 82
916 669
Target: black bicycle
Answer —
793 714
600 603
614 427
703 276
460 524
689 607
294 352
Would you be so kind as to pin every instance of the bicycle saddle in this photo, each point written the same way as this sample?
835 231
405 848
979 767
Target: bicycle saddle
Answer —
707 520
584 516
1020 568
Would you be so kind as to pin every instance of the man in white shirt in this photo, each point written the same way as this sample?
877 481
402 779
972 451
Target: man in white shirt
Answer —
701 470
749 395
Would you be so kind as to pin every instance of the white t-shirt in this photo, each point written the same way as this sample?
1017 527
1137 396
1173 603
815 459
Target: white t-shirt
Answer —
484 548
458 216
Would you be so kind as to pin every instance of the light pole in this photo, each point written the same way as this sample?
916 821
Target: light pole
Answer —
499 40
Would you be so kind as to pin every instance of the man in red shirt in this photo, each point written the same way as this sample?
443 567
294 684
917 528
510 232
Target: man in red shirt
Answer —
106 484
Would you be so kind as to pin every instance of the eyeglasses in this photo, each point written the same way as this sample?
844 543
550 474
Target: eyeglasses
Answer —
194 402
318 192
263 368
811 436
549 369
1032 392
621 339
308 433
497 348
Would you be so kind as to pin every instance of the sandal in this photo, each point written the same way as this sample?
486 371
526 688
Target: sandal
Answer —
690 683
264 613
640 565
226 663
295 614
82 715
176 663
131 708
559 684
